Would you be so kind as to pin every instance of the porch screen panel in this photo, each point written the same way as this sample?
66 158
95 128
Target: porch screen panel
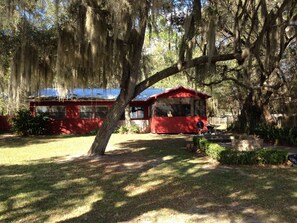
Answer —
101 111
86 112
163 110
150 111
173 107
200 108
136 112
181 109
58 112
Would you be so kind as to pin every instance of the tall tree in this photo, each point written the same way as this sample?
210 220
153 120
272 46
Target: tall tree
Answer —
98 42
264 32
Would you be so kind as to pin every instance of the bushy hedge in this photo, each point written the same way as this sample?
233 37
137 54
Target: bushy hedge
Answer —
124 129
23 123
259 156
282 135
227 156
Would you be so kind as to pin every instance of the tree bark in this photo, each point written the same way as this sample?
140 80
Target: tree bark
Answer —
109 125
131 71
254 112
250 115
127 116
267 115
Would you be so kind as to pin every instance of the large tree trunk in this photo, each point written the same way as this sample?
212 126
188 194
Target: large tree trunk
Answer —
131 59
131 69
253 113
117 110
109 125
250 115
267 115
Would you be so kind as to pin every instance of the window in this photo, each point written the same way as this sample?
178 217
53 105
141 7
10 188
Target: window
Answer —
101 111
86 112
181 109
42 109
200 108
173 110
56 112
136 112
163 110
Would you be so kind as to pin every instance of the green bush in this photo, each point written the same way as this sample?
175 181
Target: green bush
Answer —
134 129
238 157
293 135
94 131
203 144
228 156
196 140
23 123
282 135
271 156
214 150
124 129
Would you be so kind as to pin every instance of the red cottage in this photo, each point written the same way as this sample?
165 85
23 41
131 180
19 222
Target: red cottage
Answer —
155 110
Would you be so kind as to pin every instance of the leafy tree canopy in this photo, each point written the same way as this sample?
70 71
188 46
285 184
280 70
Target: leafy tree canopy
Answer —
69 43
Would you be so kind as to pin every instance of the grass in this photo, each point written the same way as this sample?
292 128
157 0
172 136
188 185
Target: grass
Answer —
143 178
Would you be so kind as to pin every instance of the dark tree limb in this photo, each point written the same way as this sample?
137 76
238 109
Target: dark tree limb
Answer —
176 68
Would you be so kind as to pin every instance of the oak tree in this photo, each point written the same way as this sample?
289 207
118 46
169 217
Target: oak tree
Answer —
101 43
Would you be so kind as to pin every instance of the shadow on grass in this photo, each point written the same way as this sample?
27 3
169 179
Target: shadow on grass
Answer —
13 141
153 180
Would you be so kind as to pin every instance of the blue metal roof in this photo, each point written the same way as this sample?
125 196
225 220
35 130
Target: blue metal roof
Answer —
102 93
95 93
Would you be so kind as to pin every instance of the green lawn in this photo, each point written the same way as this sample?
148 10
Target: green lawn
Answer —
143 178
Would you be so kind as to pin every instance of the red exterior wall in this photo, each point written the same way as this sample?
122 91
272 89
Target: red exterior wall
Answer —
4 124
177 94
185 124
73 124
176 124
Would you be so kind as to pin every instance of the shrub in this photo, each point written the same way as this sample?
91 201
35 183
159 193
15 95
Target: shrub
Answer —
227 156
196 140
23 123
134 129
214 150
94 131
282 135
293 135
271 156
124 129
238 157
203 144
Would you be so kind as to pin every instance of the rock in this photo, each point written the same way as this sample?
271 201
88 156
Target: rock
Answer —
246 143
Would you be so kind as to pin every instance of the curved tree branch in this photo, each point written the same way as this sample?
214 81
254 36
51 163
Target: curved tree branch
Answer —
177 67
